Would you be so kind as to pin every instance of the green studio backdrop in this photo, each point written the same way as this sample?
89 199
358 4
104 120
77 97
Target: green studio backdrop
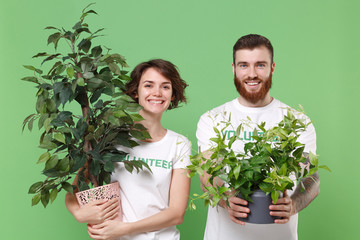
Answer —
316 55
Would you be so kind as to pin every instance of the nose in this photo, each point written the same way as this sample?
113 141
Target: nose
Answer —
157 92
252 73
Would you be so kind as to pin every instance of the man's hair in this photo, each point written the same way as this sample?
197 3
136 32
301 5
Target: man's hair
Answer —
165 68
252 41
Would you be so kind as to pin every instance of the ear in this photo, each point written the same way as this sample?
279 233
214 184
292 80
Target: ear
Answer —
272 67
233 68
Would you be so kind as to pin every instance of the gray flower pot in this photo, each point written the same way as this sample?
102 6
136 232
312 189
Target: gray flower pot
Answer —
259 209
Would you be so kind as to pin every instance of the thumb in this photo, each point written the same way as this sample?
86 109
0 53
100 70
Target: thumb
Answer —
99 202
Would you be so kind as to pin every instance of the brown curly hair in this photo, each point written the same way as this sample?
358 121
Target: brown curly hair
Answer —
165 68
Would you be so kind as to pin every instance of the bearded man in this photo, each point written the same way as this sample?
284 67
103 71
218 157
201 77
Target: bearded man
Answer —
253 67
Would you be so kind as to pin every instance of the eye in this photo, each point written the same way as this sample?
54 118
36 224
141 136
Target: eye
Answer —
242 65
147 85
261 65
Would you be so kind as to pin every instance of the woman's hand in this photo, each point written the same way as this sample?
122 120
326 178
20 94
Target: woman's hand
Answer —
94 212
98 211
108 230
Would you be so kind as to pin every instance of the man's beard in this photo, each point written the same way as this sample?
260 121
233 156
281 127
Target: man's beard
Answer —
253 97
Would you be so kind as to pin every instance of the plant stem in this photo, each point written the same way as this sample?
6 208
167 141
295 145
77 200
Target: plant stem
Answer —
87 144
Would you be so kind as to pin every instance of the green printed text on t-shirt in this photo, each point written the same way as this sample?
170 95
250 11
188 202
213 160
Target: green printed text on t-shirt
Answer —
152 162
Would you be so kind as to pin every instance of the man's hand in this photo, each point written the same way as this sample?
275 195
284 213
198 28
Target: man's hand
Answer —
284 208
236 209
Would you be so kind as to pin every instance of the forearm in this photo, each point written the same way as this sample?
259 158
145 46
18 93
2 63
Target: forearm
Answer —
303 197
174 214
73 206
161 220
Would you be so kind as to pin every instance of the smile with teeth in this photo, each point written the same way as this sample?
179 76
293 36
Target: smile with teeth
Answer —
252 83
156 101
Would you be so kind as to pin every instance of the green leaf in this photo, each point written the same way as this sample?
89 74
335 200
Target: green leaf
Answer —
128 167
64 164
237 171
53 195
65 94
45 198
51 105
80 82
283 170
109 166
70 72
35 199
84 45
136 117
30 79
35 187
52 162
68 187
325 167
47 125
274 196
96 51
313 159
44 157
114 68
42 54
54 38
59 137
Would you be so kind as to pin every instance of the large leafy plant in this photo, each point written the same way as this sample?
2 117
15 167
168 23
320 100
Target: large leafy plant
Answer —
267 162
81 143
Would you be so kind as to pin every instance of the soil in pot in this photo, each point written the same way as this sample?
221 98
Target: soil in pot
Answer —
259 208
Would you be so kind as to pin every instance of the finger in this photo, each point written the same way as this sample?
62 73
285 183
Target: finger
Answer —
110 204
97 226
285 208
239 208
98 202
284 200
93 236
239 201
281 221
237 214
235 220
280 214
113 213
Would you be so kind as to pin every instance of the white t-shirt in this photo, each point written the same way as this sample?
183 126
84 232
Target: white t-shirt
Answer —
144 194
218 225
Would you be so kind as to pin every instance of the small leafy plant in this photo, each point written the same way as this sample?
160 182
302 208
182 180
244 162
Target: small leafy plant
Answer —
267 162
81 143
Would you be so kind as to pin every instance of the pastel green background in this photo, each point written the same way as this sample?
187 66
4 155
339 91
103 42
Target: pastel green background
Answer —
317 65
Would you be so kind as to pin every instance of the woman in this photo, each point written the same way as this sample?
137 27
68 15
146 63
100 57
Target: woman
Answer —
152 203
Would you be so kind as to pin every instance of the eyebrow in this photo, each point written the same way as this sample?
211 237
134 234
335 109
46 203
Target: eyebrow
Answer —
262 62
150 81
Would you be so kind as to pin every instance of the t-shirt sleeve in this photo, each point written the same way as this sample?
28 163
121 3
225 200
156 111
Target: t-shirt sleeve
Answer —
183 152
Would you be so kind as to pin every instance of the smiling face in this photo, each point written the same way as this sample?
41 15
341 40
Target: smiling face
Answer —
154 92
253 71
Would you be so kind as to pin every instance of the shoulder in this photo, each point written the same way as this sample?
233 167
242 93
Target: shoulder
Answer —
174 136
228 106
298 113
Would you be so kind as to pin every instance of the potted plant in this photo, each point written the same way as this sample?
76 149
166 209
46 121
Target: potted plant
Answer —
266 166
81 143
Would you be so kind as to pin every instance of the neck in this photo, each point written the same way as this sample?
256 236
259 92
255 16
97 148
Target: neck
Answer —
261 103
153 124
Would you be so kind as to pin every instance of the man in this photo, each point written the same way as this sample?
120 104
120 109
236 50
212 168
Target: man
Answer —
253 67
